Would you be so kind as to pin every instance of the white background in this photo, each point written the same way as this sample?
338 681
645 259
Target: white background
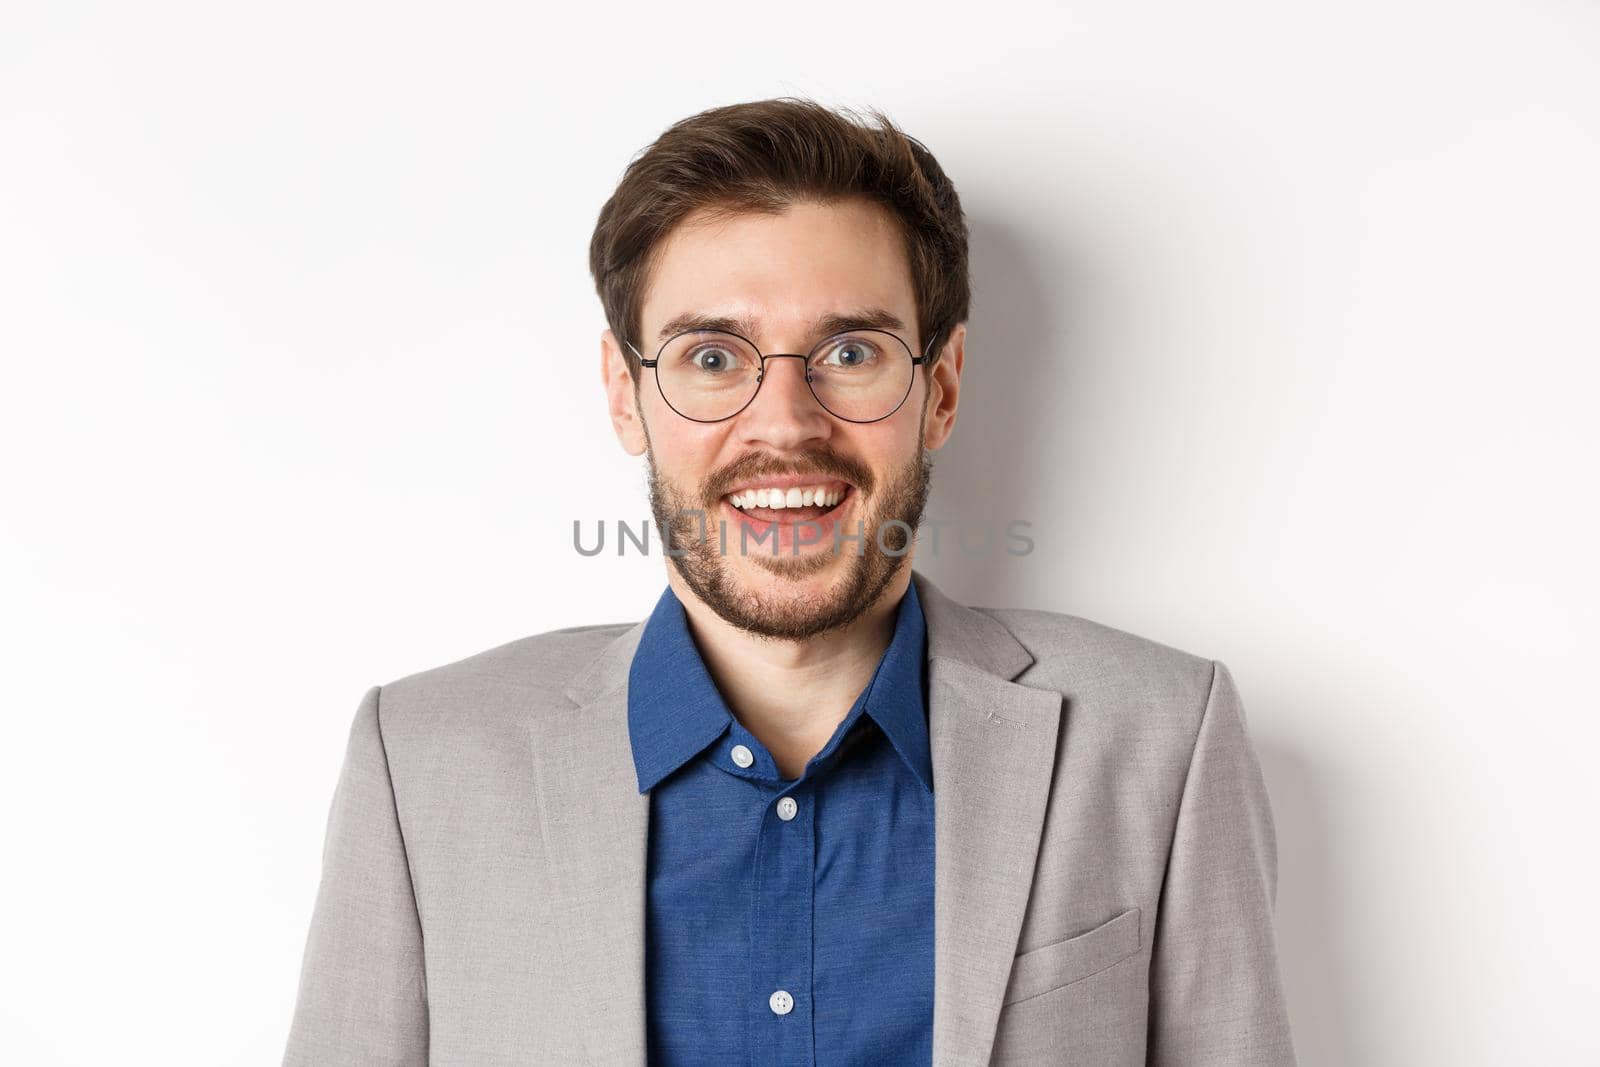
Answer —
1284 339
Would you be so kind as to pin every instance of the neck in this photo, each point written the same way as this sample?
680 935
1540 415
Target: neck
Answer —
792 694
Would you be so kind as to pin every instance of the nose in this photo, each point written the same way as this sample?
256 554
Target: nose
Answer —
784 413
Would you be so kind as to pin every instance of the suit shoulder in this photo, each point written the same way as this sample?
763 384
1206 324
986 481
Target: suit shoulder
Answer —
509 681
1104 665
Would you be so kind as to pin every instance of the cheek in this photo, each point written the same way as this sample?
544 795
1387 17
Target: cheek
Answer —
669 434
686 451
891 442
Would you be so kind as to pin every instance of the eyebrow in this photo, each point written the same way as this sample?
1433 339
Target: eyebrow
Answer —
870 318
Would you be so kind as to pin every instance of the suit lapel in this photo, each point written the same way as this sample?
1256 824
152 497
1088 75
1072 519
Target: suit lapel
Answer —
994 745
994 755
595 824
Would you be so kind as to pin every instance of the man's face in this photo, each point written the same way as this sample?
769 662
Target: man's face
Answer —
782 273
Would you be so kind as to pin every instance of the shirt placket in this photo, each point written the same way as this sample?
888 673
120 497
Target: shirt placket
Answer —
780 1010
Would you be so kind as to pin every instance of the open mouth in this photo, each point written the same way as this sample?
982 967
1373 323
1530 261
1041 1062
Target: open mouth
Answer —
788 506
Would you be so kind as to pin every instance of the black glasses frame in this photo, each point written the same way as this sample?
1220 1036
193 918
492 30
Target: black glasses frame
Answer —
761 375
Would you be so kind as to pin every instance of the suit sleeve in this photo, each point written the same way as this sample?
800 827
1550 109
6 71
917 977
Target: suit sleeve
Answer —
1216 996
363 992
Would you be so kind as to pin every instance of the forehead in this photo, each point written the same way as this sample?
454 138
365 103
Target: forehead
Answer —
781 271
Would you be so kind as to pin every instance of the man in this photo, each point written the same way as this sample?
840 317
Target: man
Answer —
810 810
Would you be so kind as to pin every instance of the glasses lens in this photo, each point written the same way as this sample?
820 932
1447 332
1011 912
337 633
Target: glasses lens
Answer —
862 375
708 376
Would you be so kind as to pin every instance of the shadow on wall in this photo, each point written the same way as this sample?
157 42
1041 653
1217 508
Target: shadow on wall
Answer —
1033 340
1016 383
1318 951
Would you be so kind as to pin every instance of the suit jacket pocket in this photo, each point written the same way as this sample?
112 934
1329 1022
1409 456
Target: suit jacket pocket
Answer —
1061 963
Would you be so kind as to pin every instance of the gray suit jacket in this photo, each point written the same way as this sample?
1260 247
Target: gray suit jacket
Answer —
1105 858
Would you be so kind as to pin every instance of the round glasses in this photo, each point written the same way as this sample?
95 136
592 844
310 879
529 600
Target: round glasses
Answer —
859 376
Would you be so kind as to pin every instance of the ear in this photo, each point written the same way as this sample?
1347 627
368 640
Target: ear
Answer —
622 398
945 389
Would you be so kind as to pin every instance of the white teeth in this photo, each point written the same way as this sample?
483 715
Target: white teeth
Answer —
812 496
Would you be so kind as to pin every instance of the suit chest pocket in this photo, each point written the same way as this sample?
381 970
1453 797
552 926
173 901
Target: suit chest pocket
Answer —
1060 963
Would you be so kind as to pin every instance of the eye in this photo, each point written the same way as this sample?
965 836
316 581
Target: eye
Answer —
850 352
715 359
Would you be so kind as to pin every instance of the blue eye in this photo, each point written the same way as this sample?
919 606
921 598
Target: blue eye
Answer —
851 353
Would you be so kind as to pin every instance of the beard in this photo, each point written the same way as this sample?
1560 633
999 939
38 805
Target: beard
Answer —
782 613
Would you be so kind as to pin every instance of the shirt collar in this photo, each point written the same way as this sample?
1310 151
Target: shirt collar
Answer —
675 709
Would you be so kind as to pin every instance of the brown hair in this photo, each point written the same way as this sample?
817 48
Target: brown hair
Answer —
761 157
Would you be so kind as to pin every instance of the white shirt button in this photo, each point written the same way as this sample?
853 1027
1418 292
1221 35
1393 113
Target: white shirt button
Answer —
787 808
781 1002
742 756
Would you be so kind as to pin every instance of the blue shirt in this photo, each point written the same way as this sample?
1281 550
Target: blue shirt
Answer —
789 921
